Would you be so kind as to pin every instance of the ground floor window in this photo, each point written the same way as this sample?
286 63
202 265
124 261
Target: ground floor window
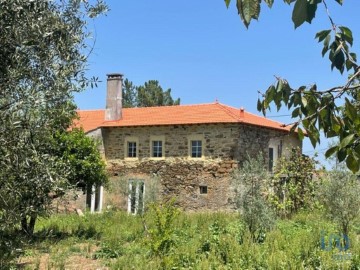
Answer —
94 198
203 189
136 197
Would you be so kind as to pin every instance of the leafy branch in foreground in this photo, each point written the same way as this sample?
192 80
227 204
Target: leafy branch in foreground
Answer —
334 111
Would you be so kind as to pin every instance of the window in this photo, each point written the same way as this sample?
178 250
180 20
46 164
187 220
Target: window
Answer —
203 189
132 149
196 146
196 149
136 197
94 198
157 149
280 149
271 159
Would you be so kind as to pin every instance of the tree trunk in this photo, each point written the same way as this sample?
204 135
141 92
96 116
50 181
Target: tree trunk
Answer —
28 227
24 225
32 224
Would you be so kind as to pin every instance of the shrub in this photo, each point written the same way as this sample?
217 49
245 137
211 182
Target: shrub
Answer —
340 196
292 184
250 187
160 236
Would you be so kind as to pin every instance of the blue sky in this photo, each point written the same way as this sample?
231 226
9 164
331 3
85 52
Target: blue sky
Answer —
203 52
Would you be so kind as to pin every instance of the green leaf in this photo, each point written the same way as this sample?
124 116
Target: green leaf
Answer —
324 51
259 105
347 34
248 9
304 11
349 64
339 61
289 1
341 155
350 110
279 85
353 56
300 134
269 3
270 95
304 101
352 162
227 3
297 98
346 141
322 35
313 136
340 1
299 14
295 113
331 151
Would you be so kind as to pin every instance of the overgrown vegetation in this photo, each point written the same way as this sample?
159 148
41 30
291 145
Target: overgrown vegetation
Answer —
293 185
250 184
199 241
340 194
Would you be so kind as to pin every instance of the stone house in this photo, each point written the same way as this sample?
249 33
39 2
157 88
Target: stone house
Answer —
190 149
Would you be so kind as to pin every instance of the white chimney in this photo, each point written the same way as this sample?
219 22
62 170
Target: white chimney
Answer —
114 97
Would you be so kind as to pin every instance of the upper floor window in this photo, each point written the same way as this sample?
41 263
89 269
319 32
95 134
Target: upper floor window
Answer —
157 146
157 149
196 148
131 149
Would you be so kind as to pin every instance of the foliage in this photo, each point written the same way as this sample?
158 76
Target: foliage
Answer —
43 49
81 155
129 96
293 186
161 234
250 188
318 110
292 244
148 95
340 196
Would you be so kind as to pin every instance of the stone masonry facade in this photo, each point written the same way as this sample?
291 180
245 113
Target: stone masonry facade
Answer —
225 147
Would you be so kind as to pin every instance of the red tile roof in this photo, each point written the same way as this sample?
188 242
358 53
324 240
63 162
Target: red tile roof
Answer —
175 115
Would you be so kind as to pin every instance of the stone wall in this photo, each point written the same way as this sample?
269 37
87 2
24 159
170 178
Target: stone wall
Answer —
225 147
181 179
229 141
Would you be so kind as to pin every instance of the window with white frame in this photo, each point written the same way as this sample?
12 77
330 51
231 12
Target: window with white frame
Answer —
136 196
94 198
131 147
157 147
196 146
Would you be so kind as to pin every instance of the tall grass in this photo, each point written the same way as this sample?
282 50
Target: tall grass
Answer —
201 241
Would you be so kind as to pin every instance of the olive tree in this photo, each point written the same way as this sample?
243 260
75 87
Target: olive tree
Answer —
250 186
43 52
339 194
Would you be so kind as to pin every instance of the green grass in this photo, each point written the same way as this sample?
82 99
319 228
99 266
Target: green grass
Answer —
199 241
